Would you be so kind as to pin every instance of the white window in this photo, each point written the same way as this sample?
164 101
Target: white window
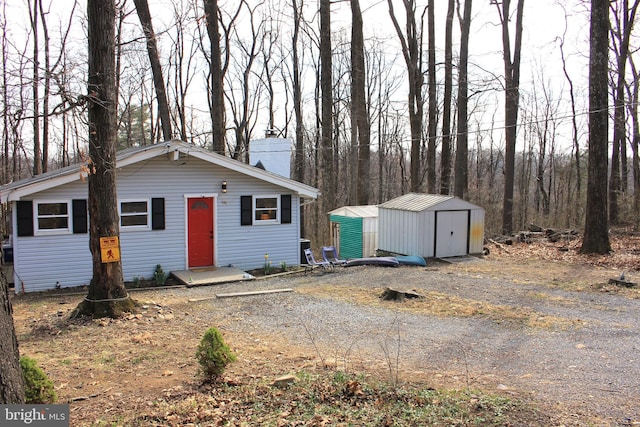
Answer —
52 217
134 214
266 209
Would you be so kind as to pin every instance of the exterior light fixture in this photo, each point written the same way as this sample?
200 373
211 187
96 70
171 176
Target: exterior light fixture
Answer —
224 186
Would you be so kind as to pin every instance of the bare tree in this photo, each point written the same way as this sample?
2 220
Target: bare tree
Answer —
299 158
244 101
596 233
328 177
412 52
633 89
445 156
142 7
47 88
512 97
6 128
217 105
432 114
360 126
37 148
574 122
107 296
623 18
182 63
461 170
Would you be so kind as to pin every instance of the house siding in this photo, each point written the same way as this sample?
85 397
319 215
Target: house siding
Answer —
43 261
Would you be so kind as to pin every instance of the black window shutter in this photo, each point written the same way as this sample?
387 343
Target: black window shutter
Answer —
246 210
285 209
80 217
157 213
24 211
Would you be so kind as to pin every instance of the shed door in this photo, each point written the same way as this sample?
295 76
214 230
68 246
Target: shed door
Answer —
200 231
452 233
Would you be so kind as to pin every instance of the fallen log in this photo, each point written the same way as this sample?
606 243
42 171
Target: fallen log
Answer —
241 294
250 293
500 245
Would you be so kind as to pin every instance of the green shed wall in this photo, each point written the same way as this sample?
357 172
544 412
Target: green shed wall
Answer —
350 236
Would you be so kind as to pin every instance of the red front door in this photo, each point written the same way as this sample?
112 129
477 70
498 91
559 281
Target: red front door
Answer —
200 231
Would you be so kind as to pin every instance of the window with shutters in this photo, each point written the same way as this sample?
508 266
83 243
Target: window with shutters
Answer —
262 209
134 214
266 209
52 217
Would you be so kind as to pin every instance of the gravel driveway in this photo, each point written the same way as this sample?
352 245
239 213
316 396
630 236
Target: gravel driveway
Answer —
589 370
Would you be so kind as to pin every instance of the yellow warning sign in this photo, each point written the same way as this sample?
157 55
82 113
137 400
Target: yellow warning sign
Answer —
110 249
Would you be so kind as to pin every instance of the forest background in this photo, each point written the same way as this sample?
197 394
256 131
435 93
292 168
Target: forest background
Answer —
271 73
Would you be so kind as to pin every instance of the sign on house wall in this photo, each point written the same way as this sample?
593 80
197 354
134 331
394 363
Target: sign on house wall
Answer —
110 249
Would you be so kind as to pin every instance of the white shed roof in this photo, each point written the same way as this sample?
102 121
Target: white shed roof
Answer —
365 211
418 202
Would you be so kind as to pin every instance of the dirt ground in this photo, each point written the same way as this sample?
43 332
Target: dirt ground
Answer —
554 304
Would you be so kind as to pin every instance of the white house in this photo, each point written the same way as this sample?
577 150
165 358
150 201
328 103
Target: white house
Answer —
180 206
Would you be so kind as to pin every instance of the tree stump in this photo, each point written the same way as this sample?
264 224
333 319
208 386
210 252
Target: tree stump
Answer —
397 295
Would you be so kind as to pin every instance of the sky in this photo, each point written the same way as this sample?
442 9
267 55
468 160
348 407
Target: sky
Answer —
545 21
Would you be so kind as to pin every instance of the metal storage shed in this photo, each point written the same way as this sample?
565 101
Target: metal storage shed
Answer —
431 226
354 230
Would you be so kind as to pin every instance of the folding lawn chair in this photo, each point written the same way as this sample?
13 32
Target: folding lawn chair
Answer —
330 255
312 263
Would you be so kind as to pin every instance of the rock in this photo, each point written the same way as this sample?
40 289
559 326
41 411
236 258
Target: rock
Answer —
284 381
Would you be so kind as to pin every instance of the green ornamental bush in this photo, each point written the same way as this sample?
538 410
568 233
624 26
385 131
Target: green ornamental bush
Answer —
213 354
38 388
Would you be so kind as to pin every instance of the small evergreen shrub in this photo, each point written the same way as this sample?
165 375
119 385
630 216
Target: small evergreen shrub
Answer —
160 276
213 355
38 388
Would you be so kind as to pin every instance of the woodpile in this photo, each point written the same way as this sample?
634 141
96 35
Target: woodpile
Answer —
535 233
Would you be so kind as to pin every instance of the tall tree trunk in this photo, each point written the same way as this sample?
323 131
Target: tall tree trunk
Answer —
11 381
412 52
142 7
37 153
512 98
107 296
574 133
445 156
6 127
624 19
634 91
596 233
359 116
299 158
432 120
47 90
461 183
217 77
328 178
